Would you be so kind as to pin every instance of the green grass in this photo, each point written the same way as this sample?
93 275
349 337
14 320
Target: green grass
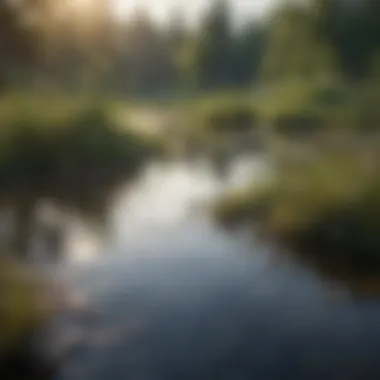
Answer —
330 208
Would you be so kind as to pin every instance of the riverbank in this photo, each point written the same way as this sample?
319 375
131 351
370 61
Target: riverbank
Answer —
68 150
327 209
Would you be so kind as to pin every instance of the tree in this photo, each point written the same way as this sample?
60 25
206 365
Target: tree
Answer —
212 60
298 45
16 47
54 41
351 38
177 33
353 29
248 50
145 62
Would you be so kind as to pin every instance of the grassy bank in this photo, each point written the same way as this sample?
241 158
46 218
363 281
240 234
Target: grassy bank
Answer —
68 149
328 209
293 107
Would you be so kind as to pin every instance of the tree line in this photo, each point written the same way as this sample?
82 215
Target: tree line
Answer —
74 47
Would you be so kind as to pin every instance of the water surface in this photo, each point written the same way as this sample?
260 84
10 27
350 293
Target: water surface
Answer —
173 296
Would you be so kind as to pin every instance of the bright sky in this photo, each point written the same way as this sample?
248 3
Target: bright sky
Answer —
160 9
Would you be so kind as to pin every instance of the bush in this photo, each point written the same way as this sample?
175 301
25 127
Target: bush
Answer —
223 112
300 106
361 111
299 124
235 119
243 206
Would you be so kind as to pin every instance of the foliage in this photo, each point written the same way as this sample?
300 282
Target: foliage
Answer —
322 37
223 112
295 48
212 62
15 43
293 96
361 111
72 150
242 206
317 39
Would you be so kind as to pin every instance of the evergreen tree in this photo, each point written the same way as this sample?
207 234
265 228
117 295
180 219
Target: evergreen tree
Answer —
16 46
248 48
299 45
212 61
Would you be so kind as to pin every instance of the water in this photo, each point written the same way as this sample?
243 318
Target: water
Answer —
173 296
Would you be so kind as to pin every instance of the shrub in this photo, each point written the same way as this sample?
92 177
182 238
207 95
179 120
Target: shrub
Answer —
234 119
298 124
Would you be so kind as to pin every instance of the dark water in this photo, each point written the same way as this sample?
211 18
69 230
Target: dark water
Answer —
172 296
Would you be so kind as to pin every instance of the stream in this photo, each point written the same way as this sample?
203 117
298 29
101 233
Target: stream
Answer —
171 295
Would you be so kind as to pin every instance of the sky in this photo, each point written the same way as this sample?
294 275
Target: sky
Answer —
192 9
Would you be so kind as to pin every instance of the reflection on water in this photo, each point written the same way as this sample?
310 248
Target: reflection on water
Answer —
171 296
